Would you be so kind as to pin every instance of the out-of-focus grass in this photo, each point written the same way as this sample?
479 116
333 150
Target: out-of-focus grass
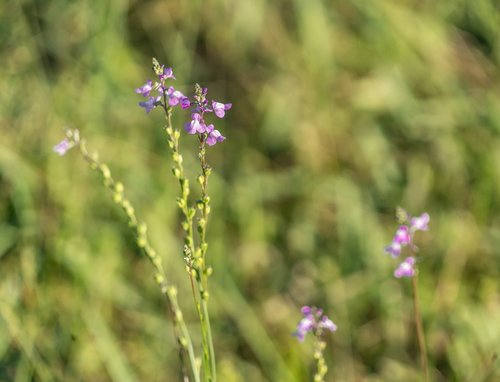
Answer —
341 112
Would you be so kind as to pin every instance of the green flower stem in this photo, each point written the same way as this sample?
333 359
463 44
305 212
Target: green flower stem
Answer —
204 205
420 328
321 367
140 231
193 255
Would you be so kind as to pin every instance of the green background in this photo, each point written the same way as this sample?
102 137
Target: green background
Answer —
341 112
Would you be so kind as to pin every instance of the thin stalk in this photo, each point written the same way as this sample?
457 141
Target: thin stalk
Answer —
194 257
202 229
140 231
420 328
321 367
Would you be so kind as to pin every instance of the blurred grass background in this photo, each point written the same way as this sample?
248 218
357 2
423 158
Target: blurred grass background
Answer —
341 112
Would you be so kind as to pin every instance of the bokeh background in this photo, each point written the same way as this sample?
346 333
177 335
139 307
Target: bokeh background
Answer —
341 112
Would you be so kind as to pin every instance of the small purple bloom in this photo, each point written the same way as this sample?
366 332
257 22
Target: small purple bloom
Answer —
174 96
394 249
402 236
167 73
313 321
214 136
420 223
406 268
306 310
220 108
145 89
196 125
150 104
185 102
304 326
62 147
328 324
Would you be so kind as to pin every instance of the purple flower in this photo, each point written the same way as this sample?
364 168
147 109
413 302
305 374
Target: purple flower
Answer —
62 147
394 249
220 108
150 104
402 235
174 96
214 136
328 324
406 268
185 102
401 238
196 125
313 321
145 89
166 73
420 223
304 326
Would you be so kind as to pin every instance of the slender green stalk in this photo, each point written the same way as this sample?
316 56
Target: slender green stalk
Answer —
193 255
321 367
140 231
204 205
420 328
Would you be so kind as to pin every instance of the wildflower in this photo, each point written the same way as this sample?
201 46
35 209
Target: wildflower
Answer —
145 89
404 237
214 136
150 104
420 223
185 102
220 108
404 233
196 125
174 96
313 321
62 147
394 249
406 268
166 73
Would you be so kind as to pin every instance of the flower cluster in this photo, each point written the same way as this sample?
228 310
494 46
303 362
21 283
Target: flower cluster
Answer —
404 237
162 91
167 95
197 124
313 321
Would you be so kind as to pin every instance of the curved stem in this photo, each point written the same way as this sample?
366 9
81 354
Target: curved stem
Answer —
140 231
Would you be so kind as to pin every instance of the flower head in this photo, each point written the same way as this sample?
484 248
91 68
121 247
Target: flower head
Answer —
406 268
404 237
313 321
201 108
404 234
